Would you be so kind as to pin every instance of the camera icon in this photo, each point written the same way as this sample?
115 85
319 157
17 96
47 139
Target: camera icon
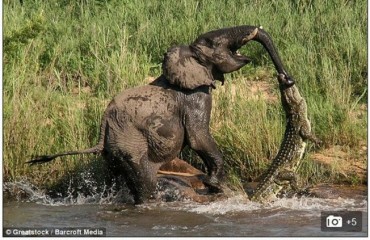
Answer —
334 221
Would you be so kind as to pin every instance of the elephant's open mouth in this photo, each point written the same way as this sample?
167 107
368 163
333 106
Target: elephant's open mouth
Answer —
240 57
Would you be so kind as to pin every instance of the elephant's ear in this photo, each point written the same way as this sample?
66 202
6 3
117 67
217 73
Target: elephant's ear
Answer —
182 69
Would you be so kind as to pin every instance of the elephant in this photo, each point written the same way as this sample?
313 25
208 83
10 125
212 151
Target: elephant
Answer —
146 126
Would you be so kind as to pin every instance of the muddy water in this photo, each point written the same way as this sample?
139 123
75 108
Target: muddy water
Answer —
235 216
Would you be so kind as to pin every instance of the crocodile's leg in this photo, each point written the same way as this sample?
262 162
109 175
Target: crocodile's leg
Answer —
305 129
287 177
306 134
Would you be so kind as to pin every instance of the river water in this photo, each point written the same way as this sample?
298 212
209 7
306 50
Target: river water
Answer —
235 216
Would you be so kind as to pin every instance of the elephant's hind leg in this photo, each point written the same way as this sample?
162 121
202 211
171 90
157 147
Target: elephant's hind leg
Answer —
140 175
135 181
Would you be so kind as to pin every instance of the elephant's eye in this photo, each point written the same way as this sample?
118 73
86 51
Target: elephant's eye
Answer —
208 42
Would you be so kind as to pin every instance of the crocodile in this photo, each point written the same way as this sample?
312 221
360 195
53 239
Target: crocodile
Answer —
282 171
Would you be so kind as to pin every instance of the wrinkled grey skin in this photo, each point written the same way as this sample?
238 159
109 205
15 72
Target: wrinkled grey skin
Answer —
146 126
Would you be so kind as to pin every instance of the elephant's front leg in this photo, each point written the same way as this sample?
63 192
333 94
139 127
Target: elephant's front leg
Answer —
198 137
206 148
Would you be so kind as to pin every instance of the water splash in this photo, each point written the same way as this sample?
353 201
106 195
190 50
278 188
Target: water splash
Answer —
321 204
23 190
82 190
240 203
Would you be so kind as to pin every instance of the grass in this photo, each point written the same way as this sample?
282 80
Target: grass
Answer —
64 60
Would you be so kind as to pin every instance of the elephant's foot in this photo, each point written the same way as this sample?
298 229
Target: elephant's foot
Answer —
213 185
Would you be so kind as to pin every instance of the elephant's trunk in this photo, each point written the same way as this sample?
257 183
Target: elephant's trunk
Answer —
243 34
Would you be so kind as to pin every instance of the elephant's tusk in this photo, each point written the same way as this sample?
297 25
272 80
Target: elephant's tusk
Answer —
250 36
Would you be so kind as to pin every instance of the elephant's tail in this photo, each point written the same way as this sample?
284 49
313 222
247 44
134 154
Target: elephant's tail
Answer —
48 158
98 148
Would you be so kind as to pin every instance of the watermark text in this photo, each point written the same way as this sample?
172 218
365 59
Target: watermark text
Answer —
54 232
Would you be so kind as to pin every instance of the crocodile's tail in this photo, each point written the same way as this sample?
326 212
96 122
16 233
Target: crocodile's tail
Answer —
98 148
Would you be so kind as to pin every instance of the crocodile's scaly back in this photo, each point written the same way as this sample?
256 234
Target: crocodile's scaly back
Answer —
298 130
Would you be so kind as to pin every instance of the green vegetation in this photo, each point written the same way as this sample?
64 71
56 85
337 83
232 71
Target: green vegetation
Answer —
64 60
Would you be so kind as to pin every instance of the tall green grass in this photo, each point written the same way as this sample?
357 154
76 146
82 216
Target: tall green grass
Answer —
64 60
